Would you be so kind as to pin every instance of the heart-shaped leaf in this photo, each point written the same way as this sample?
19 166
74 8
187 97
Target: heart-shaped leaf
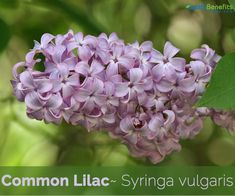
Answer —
221 90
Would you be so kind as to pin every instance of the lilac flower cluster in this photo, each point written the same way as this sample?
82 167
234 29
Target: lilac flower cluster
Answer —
136 93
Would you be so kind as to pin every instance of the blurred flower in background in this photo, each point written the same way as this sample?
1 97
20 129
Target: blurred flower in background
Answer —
28 142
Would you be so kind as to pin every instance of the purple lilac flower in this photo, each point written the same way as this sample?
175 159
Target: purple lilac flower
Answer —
134 92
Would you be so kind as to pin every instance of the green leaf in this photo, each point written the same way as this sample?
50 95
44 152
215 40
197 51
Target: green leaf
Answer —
4 35
220 93
232 2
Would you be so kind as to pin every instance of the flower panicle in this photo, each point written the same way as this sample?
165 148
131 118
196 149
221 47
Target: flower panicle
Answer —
133 91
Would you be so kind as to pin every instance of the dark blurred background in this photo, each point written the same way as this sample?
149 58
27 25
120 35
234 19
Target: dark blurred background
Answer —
28 142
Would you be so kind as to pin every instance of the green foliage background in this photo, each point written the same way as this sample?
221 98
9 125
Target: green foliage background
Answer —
29 142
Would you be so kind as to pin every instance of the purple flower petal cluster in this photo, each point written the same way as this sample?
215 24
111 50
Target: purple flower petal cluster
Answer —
136 93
